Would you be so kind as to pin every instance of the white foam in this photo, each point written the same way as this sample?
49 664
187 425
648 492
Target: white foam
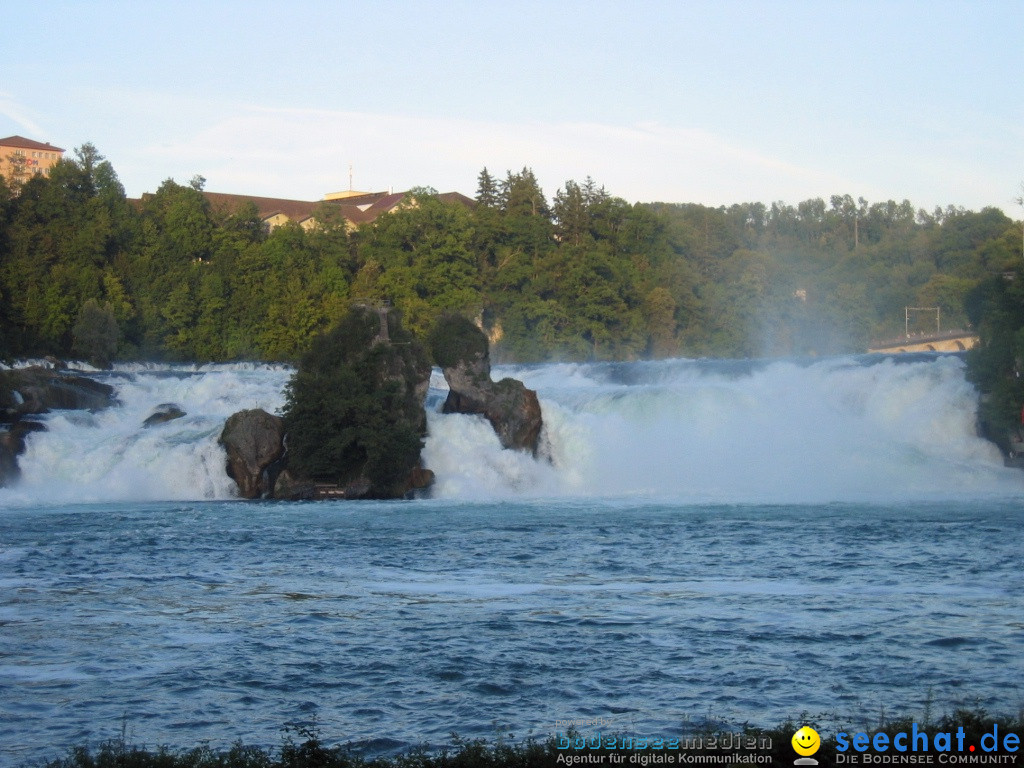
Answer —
680 430
110 456
837 430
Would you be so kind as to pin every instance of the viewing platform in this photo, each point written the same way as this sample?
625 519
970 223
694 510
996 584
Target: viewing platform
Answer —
946 341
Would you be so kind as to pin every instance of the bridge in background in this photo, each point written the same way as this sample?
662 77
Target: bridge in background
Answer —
947 341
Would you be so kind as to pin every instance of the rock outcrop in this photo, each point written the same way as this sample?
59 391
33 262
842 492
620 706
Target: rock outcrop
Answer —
355 419
30 391
461 349
38 390
254 441
162 414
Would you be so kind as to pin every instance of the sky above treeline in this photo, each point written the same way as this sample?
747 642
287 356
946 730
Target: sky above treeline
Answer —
706 101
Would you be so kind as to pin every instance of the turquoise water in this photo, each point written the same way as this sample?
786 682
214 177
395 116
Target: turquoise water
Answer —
403 622
745 541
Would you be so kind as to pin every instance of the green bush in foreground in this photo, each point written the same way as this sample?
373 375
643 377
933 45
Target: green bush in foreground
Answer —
773 748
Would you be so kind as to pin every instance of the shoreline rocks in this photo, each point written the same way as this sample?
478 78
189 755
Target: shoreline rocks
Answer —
12 445
36 390
289 488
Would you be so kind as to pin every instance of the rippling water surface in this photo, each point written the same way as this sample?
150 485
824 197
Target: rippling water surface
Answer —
735 539
403 622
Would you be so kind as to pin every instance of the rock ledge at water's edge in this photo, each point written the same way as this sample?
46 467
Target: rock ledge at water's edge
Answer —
36 390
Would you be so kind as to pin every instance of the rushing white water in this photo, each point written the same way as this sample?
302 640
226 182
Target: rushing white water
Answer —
839 430
110 456
724 431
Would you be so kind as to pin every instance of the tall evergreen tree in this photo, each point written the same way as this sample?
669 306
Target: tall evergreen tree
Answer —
487 194
572 214
522 195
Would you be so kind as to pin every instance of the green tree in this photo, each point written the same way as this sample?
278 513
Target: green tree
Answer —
353 410
63 232
996 363
659 314
571 213
487 195
425 263
96 333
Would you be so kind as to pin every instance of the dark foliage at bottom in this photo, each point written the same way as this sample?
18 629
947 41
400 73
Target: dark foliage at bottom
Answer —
302 747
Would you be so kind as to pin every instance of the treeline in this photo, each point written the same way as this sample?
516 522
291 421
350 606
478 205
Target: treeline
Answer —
996 364
584 275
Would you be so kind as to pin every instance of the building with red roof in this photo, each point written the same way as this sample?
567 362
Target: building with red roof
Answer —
21 159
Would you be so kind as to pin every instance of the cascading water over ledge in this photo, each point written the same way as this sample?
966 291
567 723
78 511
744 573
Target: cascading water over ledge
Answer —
716 431
844 429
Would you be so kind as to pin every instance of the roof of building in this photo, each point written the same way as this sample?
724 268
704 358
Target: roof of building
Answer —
22 143
358 210
296 210
379 207
457 197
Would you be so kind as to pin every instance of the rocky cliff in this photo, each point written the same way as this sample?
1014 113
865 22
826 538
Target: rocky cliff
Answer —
461 349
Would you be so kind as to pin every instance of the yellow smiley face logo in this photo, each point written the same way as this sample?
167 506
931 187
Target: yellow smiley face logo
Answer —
806 741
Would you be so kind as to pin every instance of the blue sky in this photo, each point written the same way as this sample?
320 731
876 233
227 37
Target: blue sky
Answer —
710 102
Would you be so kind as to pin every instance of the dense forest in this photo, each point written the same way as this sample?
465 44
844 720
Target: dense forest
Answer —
85 272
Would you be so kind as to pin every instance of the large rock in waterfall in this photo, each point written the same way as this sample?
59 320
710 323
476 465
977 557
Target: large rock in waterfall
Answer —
354 416
254 441
162 414
460 348
12 445
39 390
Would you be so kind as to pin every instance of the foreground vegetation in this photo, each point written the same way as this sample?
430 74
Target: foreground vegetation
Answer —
303 747
586 275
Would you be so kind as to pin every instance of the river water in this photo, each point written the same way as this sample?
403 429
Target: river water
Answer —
734 540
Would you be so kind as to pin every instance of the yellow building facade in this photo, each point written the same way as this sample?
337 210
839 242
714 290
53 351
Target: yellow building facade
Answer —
21 159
